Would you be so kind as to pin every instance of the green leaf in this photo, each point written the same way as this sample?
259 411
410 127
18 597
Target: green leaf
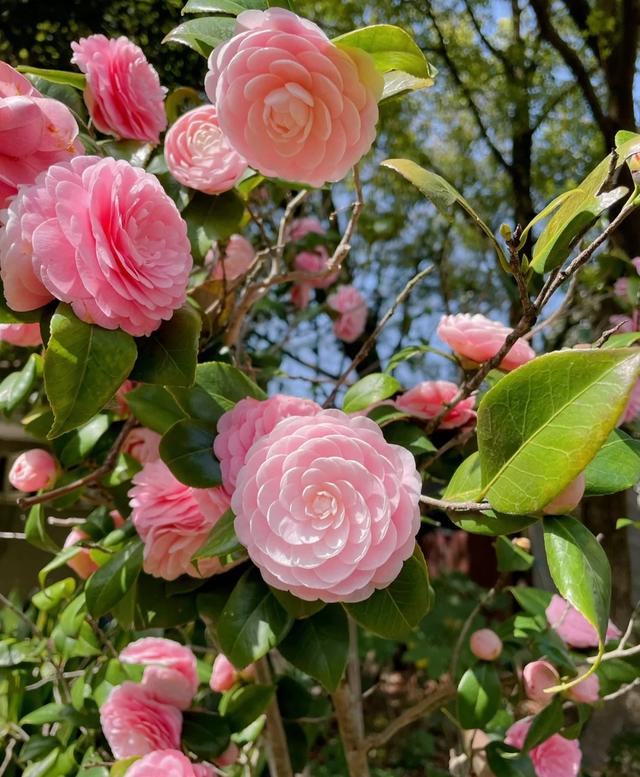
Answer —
390 47
83 440
622 340
49 713
202 35
205 734
54 594
511 558
580 569
76 80
297 608
222 540
616 466
479 695
187 449
36 530
507 761
404 354
154 407
15 388
169 355
219 379
231 7
410 436
547 211
395 611
443 195
155 608
546 723
252 621
533 600
371 389
13 653
541 425
211 218
44 767
109 584
319 646
84 365
121 767
241 706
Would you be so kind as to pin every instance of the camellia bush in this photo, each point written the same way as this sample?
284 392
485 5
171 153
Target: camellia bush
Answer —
230 546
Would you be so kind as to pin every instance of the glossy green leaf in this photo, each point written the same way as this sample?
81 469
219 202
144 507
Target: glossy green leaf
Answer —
297 608
231 7
545 724
223 380
16 387
60 560
616 466
252 621
622 340
210 218
507 761
369 390
242 705
109 584
83 440
187 449
395 611
511 558
76 80
397 83
43 767
533 600
205 734
202 35
154 407
54 594
541 425
14 652
84 365
222 539
390 47
410 436
479 695
155 608
122 766
319 646
580 569
547 211
36 532
169 355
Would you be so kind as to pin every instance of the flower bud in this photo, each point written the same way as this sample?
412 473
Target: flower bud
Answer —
33 470
538 676
229 757
485 644
524 543
224 675
568 499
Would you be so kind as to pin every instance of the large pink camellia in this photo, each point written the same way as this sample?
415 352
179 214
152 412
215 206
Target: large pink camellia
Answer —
101 235
123 92
327 508
291 102
170 674
173 521
245 423
352 307
169 763
555 757
236 260
427 399
27 335
572 627
35 132
477 338
198 154
136 724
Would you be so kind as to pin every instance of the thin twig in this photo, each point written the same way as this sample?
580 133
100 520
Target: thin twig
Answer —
277 750
606 335
622 691
455 507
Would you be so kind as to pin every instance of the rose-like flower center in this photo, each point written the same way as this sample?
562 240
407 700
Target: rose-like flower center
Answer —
206 140
288 112
321 506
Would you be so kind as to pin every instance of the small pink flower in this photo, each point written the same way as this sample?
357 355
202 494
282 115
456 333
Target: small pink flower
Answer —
568 499
223 674
229 757
35 132
537 677
82 563
624 323
170 674
123 91
632 409
142 444
206 770
587 691
477 338
237 259
120 397
33 470
168 763
572 627
427 399
555 757
621 287
485 644
27 335
199 155
327 508
247 422
135 724
315 261
101 235
304 226
301 295
173 521
291 102
352 307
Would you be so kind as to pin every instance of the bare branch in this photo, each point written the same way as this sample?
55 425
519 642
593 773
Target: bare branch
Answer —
455 507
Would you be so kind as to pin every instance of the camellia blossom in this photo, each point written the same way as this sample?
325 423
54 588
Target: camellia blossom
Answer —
537 677
555 757
352 307
35 132
427 399
477 339
632 410
291 102
27 335
82 563
32 470
247 422
170 674
199 155
301 295
101 235
621 286
142 444
587 691
572 627
123 92
229 757
327 508
223 674
304 226
173 521
315 261
568 499
170 763
236 260
485 644
136 724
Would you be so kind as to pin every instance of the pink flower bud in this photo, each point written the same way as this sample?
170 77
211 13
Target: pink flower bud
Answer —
568 499
538 676
485 644
229 757
223 676
586 692
82 563
33 470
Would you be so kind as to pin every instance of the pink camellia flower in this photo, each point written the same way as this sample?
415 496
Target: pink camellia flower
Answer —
27 335
101 235
572 627
291 102
173 520
555 757
587 691
120 398
82 563
223 674
537 677
624 324
123 92
199 155
485 644
327 508
621 286
229 757
142 444
568 499
301 295
427 399
632 409
247 422
170 674
35 132
136 724
316 261
33 470
238 257
206 770
304 226
477 338
352 307
169 763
